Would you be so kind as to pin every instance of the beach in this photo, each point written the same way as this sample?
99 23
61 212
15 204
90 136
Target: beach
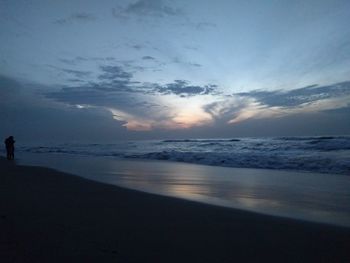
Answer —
49 216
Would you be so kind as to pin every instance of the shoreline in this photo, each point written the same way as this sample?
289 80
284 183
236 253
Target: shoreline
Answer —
300 196
49 216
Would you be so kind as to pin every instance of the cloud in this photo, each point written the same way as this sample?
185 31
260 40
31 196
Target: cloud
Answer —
159 9
115 78
78 60
113 73
137 46
277 104
148 58
178 60
74 74
31 117
195 65
152 8
182 105
141 106
183 89
227 106
77 111
76 17
78 73
299 96
73 61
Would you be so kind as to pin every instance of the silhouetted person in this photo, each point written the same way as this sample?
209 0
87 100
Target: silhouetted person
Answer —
10 148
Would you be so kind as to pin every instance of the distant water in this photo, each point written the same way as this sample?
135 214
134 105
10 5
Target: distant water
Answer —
311 154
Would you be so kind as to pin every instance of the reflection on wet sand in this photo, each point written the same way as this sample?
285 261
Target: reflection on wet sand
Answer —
322 198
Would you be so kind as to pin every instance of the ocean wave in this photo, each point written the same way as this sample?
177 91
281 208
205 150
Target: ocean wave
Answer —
248 160
306 138
314 154
202 140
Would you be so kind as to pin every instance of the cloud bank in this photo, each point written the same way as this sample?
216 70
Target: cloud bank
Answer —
118 107
142 106
275 104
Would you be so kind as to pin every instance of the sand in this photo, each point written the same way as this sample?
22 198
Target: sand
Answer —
48 216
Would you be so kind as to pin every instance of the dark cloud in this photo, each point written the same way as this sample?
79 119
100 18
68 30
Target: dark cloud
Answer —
299 96
75 80
113 73
78 60
127 103
114 88
103 59
195 65
137 47
183 89
76 17
116 82
154 8
75 60
32 118
77 73
148 58
92 95
82 75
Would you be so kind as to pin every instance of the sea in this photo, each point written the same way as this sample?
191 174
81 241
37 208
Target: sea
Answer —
304 178
320 154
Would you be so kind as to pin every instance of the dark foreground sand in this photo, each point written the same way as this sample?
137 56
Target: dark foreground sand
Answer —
47 216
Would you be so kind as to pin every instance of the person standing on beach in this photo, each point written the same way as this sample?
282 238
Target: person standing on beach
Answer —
10 148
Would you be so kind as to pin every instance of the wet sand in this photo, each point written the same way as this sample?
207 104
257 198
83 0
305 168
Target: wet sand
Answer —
48 216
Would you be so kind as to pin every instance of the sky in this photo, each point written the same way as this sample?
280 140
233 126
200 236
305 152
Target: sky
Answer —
150 69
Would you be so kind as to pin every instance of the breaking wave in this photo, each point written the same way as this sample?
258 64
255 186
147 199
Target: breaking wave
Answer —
326 154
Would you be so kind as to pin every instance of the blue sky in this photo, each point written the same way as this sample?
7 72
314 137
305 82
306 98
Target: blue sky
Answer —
160 68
